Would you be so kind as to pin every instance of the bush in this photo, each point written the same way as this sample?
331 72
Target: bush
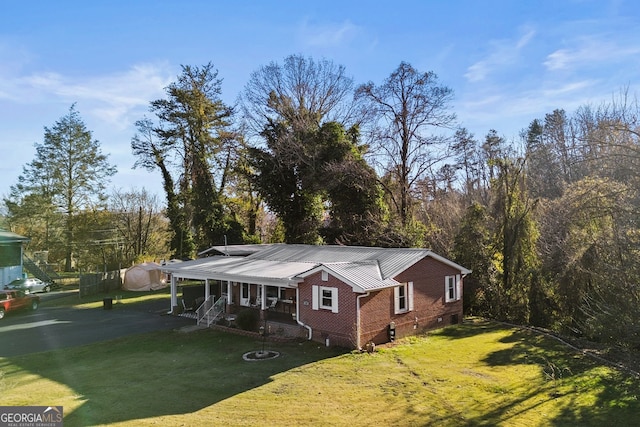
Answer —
248 319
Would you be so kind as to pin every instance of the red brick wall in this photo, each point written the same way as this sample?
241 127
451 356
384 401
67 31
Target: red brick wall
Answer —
429 308
339 327
377 310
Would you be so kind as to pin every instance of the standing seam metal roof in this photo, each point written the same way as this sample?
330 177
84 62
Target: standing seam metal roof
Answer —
240 269
364 268
391 261
363 277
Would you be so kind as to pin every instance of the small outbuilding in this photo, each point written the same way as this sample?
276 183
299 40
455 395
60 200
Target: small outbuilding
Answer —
11 252
147 276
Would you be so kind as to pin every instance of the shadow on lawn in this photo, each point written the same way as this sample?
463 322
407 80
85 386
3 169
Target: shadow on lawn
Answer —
162 373
568 375
470 328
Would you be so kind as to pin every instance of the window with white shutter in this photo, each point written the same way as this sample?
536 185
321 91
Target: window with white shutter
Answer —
452 288
403 298
324 298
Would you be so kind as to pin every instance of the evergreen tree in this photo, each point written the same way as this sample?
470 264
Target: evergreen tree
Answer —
465 150
543 164
68 175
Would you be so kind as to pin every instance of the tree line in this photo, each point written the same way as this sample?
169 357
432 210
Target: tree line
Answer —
548 222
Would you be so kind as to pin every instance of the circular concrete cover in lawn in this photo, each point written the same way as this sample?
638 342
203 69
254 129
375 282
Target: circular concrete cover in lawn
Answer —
258 355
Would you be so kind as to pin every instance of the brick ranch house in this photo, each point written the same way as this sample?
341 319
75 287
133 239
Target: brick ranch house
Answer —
338 295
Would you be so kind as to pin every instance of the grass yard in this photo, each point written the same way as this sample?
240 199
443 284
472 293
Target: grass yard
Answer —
479 373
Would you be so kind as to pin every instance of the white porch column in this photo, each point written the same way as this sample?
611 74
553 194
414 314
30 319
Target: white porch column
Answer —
229 299
263 298
174 293
207 292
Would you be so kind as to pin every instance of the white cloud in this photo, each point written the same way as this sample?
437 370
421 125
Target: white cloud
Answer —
589 51
525 38
558 60
510 110
478 71
567 88
504 52
110 97
327 35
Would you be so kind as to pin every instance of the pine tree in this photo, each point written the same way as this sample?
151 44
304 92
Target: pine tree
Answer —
68 174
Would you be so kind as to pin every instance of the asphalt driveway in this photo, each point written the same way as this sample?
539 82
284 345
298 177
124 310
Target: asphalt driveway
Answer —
50 328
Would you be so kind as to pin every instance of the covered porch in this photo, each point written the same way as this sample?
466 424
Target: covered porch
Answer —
234 284
276 303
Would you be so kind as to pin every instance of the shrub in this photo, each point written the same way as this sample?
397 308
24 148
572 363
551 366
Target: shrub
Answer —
248 319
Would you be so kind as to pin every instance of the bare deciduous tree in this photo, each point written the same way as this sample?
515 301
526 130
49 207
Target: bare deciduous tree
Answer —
141 227
301 92
408 108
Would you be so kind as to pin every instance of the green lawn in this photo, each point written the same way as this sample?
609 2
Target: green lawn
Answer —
479 373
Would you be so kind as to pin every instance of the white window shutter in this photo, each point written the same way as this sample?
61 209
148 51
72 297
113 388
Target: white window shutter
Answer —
410 295
334 300
458 287
396 299
446 288
314 297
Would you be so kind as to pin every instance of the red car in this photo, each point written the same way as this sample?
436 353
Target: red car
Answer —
11 300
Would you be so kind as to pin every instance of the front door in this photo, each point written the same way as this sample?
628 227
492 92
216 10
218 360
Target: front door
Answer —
244 294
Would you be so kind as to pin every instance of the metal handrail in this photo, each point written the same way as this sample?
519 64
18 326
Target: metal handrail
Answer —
211 310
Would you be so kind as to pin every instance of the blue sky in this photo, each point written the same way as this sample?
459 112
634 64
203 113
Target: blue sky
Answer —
507 61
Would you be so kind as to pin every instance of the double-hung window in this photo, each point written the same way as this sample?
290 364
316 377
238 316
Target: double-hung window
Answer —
452 285
325 298
403 297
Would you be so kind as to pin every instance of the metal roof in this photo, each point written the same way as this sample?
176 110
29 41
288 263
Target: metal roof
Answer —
391 261
9 237
362 277
240 269
363 268
233 250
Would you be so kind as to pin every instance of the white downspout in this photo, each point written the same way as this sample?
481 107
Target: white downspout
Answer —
358 345
298 315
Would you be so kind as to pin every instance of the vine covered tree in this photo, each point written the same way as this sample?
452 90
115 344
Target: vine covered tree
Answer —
475 232
303 112
516 235
327 170
191 144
